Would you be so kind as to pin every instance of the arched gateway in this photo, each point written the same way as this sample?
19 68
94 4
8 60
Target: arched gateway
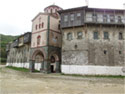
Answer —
37 60
54 63
42 63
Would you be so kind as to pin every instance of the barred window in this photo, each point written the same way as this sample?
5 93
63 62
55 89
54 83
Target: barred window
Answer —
69 36
106 35
95 35
79 35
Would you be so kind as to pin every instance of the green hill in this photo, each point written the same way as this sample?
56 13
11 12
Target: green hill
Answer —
4 39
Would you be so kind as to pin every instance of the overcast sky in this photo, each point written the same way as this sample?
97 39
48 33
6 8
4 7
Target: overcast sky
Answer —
16 15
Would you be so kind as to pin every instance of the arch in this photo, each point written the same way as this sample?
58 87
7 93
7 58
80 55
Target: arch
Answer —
55 55
36 52
39 57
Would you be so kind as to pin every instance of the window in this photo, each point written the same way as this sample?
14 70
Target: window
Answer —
39 26
51 10
69 36
78 16
105 52
79 35
72 17
42 24
95 35
120 52
119 19
38 40
106 35
36 27
94 17
65 18
112 18
120 35
105 18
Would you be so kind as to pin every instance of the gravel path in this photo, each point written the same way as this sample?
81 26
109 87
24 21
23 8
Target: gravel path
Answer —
15 82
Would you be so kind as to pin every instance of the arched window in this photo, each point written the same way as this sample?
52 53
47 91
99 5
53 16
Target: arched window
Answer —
51 10
36 27
38 40
42 24
69 36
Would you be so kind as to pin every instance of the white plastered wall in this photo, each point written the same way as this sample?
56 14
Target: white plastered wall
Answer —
92 70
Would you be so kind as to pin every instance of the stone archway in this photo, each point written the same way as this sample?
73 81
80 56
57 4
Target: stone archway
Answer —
37 62
54 63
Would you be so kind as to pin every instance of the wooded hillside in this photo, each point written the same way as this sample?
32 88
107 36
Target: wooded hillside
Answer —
4 39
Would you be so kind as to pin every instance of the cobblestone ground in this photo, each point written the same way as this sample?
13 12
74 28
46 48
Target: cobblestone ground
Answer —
15 82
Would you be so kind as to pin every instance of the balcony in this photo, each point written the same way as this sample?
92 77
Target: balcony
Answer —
27 38
20 41
101 20
15 43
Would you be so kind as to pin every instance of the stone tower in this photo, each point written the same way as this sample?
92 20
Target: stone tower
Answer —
45 52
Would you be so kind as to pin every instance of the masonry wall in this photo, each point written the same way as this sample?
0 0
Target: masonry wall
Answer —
90 52
19 57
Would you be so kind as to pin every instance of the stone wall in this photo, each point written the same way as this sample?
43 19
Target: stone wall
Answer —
19 57
89 51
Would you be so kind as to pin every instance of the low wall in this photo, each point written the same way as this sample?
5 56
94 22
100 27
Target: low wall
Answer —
24 65
92 70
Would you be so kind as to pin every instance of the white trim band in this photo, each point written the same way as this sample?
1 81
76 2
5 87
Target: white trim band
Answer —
92 70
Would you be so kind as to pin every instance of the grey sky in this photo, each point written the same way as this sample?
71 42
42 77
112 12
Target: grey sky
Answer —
16 15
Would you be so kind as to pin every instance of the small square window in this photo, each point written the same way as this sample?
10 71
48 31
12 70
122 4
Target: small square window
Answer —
120 52
105 52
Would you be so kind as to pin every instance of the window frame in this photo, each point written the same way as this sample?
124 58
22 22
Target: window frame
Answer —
65 18
69 36
79 36
72 17
120 36
106 35
112 18
95 35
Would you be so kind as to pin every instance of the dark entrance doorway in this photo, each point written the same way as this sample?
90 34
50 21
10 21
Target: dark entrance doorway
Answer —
52 68
53 65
